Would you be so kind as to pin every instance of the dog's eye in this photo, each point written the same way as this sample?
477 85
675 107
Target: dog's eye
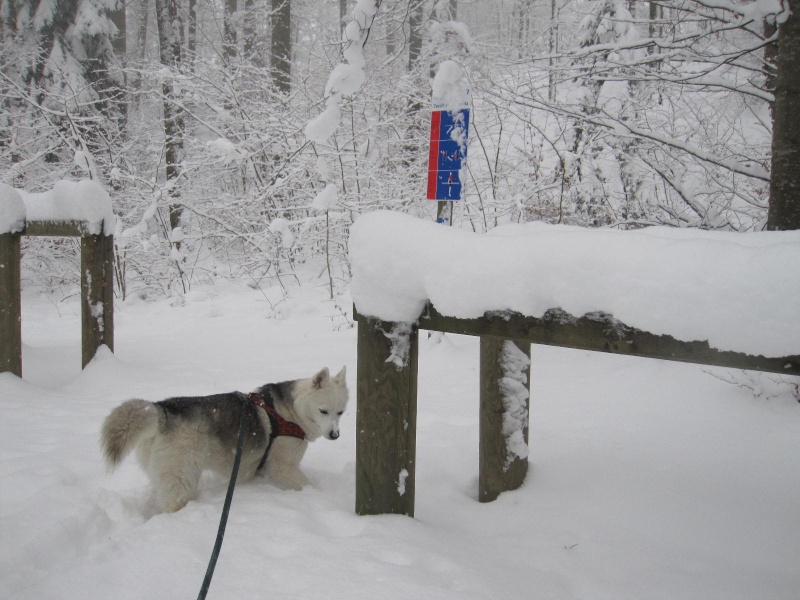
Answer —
323 411
340 413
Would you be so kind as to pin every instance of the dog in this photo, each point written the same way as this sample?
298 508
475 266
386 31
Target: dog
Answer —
177 439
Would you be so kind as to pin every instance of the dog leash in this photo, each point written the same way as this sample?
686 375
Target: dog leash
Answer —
226 507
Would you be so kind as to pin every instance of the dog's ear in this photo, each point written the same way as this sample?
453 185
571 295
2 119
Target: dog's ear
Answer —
340 375
321 377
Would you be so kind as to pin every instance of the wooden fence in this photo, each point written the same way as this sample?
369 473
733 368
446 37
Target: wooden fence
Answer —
387 390
97 289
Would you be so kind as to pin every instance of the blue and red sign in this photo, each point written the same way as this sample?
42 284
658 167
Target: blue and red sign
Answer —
447 151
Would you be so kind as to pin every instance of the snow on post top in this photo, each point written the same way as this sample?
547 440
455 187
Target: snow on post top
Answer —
12 210
450 91
83 200
738 291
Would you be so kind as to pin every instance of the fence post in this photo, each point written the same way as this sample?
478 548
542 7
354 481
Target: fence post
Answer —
505 402
386 418
97 295
10 308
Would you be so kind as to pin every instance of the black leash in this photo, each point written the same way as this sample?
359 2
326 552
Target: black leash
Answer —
223 520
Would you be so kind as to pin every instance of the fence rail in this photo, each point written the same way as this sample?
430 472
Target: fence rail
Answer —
387 390
97 289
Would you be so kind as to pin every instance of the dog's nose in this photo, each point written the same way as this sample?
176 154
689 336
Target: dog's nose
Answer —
334 434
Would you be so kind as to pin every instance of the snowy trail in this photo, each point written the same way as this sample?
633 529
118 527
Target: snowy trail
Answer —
648 479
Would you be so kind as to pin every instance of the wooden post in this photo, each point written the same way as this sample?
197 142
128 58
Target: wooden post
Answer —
386 418
503 459
10 308
444 212
97 295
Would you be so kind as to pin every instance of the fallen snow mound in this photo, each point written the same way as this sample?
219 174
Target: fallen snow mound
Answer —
738 291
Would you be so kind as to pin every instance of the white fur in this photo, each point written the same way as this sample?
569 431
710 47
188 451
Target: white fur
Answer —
175 450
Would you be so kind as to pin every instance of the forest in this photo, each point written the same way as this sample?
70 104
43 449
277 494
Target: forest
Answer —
242 138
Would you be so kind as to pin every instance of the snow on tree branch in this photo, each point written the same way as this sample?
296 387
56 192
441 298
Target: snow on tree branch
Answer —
347 77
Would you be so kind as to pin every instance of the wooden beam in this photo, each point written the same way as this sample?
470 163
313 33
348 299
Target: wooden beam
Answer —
502 465
97 295
97 289
600 332
10 308
60 228
386 418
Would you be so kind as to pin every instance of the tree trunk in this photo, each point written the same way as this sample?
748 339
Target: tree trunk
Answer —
120 41
252 47
52 30
553 49
229 37
343 12
415 23
170 52
120 46
191 35
281 49
414 33
784 205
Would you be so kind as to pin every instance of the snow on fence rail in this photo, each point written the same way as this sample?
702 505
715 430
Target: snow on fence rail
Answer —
725 299
71 209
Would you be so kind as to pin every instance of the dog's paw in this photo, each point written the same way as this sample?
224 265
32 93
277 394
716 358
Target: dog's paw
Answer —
289 480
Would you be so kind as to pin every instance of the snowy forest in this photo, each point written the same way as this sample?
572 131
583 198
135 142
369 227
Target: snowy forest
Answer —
202 120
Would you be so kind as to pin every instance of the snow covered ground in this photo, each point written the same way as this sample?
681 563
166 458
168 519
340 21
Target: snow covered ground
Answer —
648 479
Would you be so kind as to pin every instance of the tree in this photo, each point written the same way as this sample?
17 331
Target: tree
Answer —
784 207
62 100
281 54
683 116
169 41
229 34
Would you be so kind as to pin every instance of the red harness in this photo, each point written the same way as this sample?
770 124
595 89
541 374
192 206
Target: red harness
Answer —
280 426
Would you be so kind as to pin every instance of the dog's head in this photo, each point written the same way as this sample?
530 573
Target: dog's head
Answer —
320 401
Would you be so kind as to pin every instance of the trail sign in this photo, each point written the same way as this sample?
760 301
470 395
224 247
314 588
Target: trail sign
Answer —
448 149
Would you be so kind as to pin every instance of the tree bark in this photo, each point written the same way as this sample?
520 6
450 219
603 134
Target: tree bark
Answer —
414 33
252 47
281 48
770 59
169 40
784 205
229 37
191 35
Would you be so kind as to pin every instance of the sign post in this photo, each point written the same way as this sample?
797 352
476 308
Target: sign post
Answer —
448 151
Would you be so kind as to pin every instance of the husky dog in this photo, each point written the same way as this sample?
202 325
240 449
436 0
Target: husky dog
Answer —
179 438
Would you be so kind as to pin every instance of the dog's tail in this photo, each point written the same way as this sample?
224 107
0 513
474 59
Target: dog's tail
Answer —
126 426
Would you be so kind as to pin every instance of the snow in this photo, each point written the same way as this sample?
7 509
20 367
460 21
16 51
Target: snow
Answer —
12 210
325 124
327 198
282 228
347 77
399 337
515 366
450 88
648 480
226 150
738 291
83 200
448 74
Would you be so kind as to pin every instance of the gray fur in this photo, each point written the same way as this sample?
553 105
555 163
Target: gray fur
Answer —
178 438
